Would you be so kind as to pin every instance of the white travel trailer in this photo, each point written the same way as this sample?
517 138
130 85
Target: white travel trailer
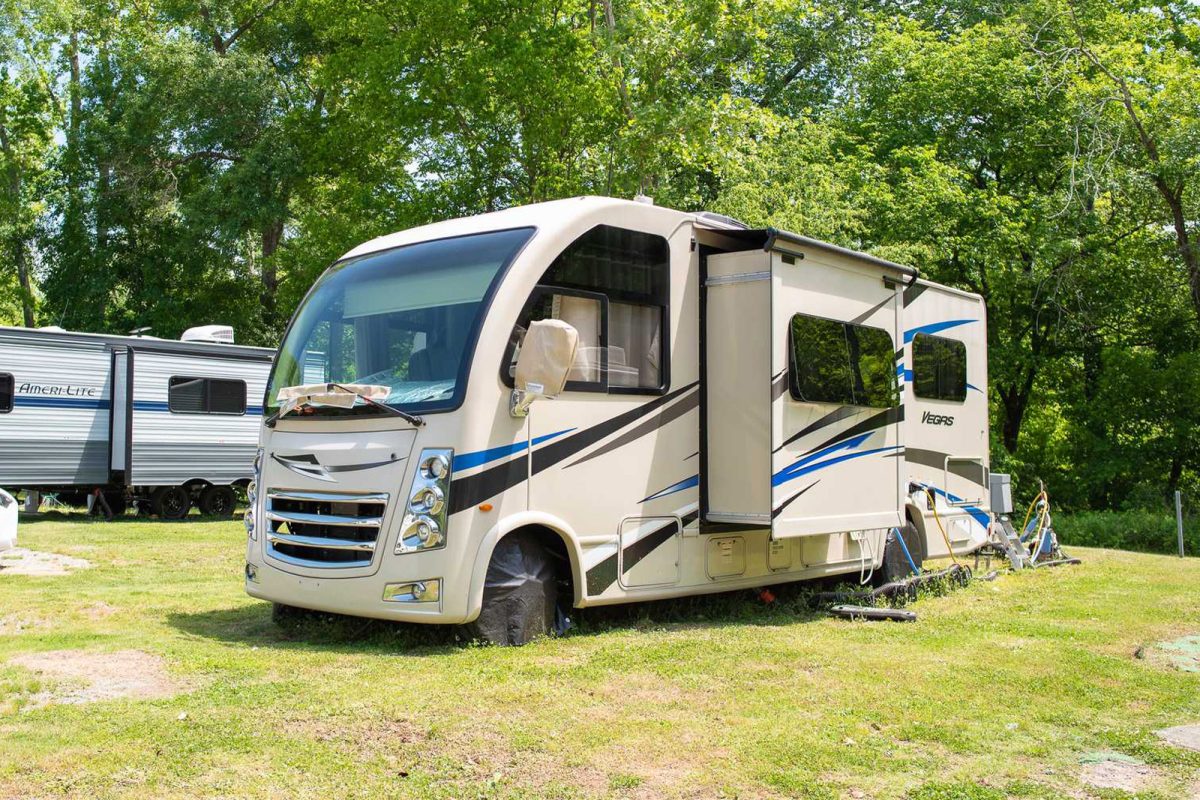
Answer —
596 401
168 424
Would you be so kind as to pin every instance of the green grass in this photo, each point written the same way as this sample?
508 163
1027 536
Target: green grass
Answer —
997 691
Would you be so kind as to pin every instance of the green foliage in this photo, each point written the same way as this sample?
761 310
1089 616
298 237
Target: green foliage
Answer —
1146 531
174 162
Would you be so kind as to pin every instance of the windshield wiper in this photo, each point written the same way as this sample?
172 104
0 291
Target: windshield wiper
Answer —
411 419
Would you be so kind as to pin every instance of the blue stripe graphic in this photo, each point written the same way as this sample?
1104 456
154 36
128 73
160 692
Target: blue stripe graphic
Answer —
481 457
978 514
935 327
795 471
686 483
21 401
160 407
785 474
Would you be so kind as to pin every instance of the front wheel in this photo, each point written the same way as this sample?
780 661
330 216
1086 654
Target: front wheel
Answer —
520 593
901 555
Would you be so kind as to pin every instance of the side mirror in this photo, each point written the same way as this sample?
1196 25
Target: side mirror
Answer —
543 364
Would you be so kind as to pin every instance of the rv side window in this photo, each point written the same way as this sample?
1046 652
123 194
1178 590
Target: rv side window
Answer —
939 368
6 393
206 396
630 272
840 362
586 312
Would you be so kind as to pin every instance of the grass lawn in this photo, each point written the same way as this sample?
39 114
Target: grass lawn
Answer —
999 690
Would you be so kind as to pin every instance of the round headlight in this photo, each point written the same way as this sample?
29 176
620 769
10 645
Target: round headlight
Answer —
427 500
425 531
252 491
435 467
248 521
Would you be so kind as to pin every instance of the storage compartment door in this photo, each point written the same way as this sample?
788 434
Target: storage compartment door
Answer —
835 409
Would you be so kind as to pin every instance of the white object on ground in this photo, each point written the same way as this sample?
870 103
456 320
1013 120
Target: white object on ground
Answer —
8 521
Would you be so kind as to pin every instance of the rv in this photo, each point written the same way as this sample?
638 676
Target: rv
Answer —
592 401
166 424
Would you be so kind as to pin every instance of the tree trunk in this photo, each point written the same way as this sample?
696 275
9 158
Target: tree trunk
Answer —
1183 240
272 235
1015 400
20 254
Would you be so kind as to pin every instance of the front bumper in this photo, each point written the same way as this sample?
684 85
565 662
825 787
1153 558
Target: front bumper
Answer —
363 596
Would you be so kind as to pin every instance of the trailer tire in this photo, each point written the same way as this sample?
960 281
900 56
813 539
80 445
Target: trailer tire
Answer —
218 501
520 592
170 502
895 564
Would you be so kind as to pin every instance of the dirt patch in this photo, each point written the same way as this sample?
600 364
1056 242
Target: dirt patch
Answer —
81 676
1187 736
20 561
12 624
1118 771
99 610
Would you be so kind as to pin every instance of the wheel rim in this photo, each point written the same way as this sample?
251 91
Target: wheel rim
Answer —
174 504
220 503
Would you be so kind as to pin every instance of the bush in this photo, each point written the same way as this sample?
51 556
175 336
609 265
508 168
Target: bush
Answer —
1144 531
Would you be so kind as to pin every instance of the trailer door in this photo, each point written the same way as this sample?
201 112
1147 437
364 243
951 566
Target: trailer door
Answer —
836 451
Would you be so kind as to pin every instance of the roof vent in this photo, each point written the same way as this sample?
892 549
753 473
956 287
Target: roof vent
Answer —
644 199
214 334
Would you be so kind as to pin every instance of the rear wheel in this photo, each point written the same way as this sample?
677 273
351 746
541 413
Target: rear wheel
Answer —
520 593
896 564
170 502
217 501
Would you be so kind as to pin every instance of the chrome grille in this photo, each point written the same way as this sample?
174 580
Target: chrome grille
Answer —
323 529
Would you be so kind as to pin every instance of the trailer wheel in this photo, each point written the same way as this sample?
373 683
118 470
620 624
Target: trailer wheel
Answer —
895 564
170 502
217 501
520 592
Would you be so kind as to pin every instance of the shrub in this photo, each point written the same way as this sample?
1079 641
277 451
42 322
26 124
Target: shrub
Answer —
1145 531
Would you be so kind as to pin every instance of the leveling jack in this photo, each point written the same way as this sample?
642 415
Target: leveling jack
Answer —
1037 543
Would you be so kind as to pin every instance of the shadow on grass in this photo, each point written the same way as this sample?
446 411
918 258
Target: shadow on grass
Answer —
253 624
80 516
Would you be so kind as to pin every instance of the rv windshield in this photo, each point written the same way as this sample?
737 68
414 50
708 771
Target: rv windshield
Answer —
405 318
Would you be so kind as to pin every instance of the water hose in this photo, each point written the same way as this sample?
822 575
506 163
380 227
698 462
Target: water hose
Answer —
907 555
938 520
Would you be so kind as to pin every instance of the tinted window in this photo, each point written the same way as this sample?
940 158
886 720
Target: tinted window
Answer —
631 271
939 368
6 393
842 363
585 312
206 396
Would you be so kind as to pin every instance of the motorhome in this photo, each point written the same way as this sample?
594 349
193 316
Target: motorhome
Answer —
166 424
590 401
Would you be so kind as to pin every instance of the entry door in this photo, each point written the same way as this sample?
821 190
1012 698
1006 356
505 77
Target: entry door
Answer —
836 451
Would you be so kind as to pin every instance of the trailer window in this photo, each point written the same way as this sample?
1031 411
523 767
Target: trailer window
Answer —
939 368
840 362
206 396
6 393
630 272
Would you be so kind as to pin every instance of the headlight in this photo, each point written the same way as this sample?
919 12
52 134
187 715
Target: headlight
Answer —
424 522
248 521
258 462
